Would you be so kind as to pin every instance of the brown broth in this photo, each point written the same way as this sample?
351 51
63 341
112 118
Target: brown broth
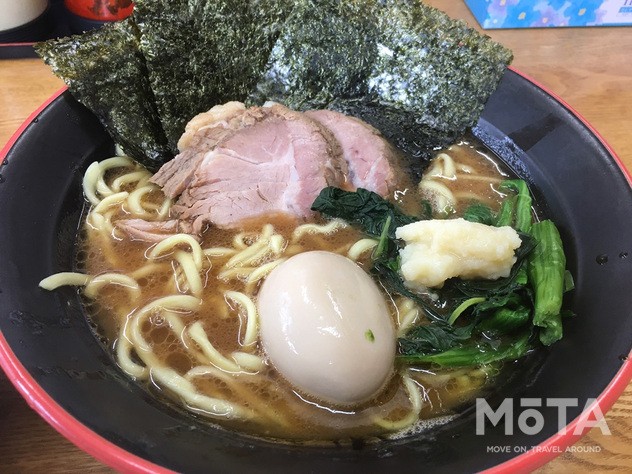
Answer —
286 413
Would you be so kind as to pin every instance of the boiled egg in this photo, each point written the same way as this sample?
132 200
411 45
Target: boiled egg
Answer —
326 328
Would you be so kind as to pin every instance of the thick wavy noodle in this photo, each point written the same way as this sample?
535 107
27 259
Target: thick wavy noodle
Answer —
180 315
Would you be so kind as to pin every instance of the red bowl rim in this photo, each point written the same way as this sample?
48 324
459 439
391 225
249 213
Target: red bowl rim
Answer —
124 461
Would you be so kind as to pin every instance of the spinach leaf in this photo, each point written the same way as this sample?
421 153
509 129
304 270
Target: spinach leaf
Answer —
363 208
479 212
475 354
547 274
386 270
505 215
506 320
384 247
433 338
522 203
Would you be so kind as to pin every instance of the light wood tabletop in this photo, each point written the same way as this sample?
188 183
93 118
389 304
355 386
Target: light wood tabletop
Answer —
590 68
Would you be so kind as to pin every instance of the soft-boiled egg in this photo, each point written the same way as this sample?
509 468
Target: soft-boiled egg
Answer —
326 328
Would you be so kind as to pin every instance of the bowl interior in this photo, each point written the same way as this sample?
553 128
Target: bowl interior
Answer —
579 184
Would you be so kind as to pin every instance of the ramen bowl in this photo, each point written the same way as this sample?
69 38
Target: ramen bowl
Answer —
55 359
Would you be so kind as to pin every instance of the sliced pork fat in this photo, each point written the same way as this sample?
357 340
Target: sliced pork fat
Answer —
222 116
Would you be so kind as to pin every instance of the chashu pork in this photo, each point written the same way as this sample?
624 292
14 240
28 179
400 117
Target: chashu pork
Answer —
262 160
238 163
370 158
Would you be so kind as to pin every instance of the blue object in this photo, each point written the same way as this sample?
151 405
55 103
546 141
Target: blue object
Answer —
493 14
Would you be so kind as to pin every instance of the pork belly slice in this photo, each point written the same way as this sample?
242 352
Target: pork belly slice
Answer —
277 163
152 231
371 160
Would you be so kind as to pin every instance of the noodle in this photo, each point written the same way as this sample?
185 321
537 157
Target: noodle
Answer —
251 254
147 270
64 278
213 406
124 357
219 252
261 272
435 184
95 284
328 228
109 201
250 336
90 183
191 272
170 243
134 203
360 247
408 312
414 396
250 362
140 177
196 331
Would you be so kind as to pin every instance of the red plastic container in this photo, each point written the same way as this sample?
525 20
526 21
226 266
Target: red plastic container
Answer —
100 10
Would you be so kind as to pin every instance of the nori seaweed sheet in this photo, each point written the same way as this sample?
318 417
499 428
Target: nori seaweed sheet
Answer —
436 66
397 53
105 71
405 68
325 51
201 53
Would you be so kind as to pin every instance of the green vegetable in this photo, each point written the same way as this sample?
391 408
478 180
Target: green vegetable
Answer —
382 246
479 212
475 354
506 320
483 308
569 282
368 210
546 270
433 338
463 306
522 205
505 215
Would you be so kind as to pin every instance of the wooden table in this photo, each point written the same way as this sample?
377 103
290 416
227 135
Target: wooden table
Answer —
591 68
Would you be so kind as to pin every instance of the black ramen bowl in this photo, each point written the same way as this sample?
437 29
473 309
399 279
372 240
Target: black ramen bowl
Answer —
50 352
